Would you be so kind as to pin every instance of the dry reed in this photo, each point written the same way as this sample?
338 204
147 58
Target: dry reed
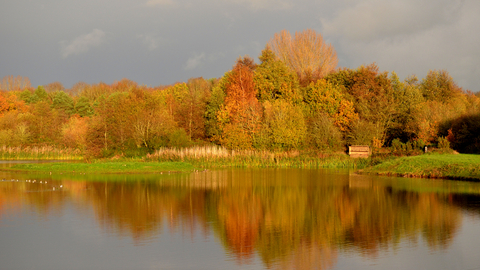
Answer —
217 156
39 152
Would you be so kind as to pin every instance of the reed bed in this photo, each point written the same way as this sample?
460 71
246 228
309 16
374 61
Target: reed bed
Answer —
39 152
216 156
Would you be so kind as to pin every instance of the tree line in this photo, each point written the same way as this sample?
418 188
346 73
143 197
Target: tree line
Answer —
294 98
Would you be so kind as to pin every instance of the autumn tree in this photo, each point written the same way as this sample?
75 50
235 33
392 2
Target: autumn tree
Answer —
187 104
151 121
11 83
110 127
117 117
124 85
77 88
199 91
74 132
408 100
284 124
239 117
13 128
306 53
43 124
9 102
274 80
323 134
54 87
439 86
213 105
372 95
323 97
95 91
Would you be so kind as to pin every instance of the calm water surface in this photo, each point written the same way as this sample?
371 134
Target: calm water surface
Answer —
238 219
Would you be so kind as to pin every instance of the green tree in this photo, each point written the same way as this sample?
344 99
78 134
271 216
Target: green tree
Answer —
62 101
213 105
40 94
323 134
408 100
274 80
33 97
83 107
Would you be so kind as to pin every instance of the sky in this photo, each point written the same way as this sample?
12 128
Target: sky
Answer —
160 42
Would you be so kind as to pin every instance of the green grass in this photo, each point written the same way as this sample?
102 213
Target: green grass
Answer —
449 166
104 167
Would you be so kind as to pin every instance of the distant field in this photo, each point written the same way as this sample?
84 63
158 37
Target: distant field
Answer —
451 166
125 167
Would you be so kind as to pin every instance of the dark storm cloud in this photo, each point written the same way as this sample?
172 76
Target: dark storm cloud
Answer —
158 42
411 37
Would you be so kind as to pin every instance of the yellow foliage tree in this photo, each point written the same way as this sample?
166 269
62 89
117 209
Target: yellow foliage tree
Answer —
306 53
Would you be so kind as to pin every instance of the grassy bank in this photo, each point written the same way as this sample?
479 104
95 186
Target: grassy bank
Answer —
195 158
104 167
448 166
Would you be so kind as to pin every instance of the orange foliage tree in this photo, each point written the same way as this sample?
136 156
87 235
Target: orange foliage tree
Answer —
74 132
239 117
373 98
187 104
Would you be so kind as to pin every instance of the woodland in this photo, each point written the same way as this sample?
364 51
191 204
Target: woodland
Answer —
294 98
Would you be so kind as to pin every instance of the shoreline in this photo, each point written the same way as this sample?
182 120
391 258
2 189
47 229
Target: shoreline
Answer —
104 167
461 167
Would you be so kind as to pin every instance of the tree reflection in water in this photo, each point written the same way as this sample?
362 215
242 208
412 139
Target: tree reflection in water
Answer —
289 218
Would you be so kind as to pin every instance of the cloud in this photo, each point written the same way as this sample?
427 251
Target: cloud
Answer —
83 43
257 5
373 19
410 39
152 42
153 3
195 61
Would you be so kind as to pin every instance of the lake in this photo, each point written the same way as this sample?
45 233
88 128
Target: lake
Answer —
238 219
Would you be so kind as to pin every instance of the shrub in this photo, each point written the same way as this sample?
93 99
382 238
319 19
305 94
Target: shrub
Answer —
443 143
419 144
396 145
324 134
179 138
